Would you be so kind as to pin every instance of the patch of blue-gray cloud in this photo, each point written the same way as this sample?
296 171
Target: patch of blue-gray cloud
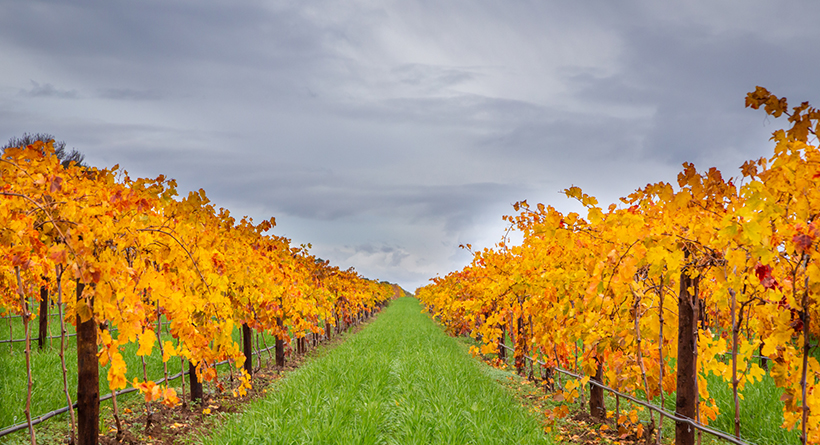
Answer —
388 133
129 94
48 90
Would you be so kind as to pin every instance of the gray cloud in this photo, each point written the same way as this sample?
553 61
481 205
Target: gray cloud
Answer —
48 90
323 195
388 133
433 78
463 110
158 31
393 256
129 94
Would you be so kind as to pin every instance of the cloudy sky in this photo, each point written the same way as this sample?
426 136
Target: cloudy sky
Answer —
386 132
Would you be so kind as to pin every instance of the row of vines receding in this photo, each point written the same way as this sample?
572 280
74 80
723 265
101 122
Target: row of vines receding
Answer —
711 276
116 256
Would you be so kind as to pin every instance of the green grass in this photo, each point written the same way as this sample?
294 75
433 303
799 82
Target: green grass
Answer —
761 411
400 381
47 391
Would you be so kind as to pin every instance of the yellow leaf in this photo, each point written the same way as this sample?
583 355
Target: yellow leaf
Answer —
168 351
769 349
146 342
84 311
169 397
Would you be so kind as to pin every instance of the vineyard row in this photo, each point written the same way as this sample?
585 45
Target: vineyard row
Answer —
652 294
118 254
258 353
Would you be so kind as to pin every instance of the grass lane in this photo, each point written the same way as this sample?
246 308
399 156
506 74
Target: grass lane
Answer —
400 381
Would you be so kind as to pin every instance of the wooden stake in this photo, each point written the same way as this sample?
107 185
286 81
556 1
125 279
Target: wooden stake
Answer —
88 377
247 347
687 397
196 385
43 331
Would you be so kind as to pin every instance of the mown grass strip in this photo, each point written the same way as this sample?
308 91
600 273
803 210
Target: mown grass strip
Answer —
400 381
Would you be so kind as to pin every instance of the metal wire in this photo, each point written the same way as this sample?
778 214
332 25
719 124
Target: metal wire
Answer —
655 408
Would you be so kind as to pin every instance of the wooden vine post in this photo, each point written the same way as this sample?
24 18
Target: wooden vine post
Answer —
687 397
196 384
597 409
88 376
247 347
280 345
520 346
502 351
43 332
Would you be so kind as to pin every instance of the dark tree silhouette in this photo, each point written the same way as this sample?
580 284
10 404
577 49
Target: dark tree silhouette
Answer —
65 156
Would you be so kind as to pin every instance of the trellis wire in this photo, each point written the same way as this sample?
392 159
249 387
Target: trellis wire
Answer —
42 418
655 408
20 340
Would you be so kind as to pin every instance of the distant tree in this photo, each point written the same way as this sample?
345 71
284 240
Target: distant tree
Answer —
65 156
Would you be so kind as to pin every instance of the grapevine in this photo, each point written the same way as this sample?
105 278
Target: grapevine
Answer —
652 293
120 254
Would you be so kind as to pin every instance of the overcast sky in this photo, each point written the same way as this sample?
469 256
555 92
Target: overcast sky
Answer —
386 133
